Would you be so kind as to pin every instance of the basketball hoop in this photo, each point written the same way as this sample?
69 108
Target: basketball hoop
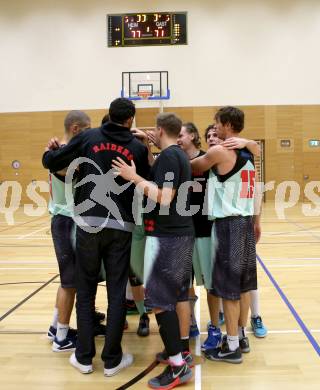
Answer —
144 95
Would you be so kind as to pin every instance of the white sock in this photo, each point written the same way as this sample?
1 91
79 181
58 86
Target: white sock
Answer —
192 301
242 332
176 360
55 318
254 303
233 342
129 295
62 330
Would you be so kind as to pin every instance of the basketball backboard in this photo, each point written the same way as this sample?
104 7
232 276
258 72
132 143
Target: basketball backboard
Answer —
151 85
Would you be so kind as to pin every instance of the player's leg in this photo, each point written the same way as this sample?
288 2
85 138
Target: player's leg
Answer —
259 330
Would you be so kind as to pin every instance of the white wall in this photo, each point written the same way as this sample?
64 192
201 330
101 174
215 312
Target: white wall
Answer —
54 54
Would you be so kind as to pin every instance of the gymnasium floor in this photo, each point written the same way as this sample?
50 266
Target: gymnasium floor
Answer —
287 359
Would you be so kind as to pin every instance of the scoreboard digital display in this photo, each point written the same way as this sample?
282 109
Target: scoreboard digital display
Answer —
147 29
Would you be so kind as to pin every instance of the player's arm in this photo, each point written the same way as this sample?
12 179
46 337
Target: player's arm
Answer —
58 159
258 195
163 196
212 157
240 143
144 138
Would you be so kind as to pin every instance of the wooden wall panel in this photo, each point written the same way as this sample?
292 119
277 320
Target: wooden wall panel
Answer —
24 136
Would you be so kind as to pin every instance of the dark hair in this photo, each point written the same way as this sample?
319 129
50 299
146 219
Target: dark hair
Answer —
231 115
191 129
170 123
121 109
76 117
105 119
210 127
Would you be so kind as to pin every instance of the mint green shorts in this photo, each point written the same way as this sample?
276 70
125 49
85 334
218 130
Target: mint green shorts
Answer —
203 260
137 251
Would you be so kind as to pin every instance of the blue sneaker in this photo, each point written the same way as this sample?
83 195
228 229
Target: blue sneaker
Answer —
213 340
194 331
259 330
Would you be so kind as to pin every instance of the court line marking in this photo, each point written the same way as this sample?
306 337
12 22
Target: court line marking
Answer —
10 311
197 369
139 376
34 232
25 268
302 325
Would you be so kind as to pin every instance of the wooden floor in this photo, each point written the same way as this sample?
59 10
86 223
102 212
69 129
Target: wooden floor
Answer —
287 359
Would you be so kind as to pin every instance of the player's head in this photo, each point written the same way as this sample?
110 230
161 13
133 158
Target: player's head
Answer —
105 119
169 125
211 136
189 136
229 120
122 112
75 122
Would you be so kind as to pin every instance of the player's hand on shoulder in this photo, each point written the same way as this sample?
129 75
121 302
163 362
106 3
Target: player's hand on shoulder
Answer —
235 143
53 144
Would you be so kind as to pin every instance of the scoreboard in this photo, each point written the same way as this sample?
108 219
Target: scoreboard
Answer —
147 29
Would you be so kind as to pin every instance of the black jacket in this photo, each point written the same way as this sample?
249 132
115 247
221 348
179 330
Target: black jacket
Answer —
106 203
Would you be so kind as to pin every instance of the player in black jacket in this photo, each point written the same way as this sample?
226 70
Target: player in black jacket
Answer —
104 217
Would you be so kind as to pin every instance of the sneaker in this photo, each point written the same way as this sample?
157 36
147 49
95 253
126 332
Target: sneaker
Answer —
143 328
213 340
223 354
162 357
194 331
72 333
126 361
83 368
131 307
99 330
259 330
244 345
99 317
65 345
171 377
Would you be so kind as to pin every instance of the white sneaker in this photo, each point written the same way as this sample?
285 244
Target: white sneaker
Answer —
83 368
126 361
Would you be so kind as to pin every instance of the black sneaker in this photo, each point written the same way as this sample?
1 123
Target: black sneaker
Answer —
99 330
244 345
223 354
72 333
162 357
171 377
131 307
143 328
99 317
65 345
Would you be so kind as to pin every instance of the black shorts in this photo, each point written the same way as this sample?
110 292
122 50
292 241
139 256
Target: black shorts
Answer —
62 231
168 265
235 268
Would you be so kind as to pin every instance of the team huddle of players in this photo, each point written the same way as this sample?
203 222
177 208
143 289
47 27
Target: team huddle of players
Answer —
161 224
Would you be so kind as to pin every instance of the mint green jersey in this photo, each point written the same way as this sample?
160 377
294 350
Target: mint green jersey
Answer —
232 194
58 203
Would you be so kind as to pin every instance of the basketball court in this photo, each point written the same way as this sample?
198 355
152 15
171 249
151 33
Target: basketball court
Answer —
289 274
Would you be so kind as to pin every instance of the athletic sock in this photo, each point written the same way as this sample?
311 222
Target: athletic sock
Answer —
55 318
233 342
168 323
192 301
176 360
254 303
62 331
185 344
140 307
242 332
